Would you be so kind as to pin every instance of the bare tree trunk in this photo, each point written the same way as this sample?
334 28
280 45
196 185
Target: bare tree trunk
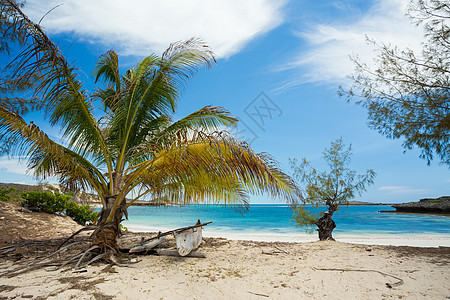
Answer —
325 227
326 224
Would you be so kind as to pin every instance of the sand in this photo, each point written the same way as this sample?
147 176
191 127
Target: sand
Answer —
237 269
240 270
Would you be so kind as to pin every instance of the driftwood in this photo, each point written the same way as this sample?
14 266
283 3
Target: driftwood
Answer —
281 249
78 232
186 241
163 252
85 258
258 294
274 252
12 248
147 246
160 234
269 252
389 285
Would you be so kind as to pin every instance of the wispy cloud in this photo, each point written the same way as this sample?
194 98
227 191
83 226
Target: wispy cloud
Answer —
140 27
326 58
14 166
401 190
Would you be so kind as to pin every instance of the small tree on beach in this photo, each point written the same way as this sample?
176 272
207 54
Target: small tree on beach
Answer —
131 145
407 92
330 189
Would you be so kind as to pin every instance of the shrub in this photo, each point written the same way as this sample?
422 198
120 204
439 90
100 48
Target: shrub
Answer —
55 203
81 214
52 203
4 193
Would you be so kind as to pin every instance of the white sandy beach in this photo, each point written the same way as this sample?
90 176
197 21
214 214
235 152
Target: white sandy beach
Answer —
238 269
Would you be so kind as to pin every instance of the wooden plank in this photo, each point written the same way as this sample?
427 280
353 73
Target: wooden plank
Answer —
147 246
177 230
163 252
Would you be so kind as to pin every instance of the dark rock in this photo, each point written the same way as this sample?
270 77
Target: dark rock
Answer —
440 199
439 205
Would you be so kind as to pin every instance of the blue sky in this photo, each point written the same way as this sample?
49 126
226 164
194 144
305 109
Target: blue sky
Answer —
279 66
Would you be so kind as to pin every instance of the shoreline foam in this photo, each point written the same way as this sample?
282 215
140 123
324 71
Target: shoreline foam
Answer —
414 240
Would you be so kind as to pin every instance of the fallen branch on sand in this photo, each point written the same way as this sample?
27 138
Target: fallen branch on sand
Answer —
389 285
281 249
274 252
163 252
76 233
84 258
147 246
258 294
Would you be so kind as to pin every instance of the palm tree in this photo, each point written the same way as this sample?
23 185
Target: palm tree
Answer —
135 147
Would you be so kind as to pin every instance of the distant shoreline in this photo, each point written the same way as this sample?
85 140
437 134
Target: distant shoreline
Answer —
397 239
414 213
27 187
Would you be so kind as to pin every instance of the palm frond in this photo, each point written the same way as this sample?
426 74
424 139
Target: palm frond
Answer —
195 189
46 157
215 165
208 118
157 134
42 65
107 67
155 86
186 58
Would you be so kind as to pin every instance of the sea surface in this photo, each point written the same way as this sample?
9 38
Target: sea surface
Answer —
273 222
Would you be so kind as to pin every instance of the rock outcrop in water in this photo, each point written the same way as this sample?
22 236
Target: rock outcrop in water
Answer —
439 205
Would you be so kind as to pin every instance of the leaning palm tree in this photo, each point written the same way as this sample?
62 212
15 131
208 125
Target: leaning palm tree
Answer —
132 145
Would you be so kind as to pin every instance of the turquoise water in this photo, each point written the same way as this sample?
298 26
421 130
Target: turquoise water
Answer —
276 219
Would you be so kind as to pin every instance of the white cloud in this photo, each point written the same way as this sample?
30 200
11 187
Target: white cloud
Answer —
140 27
13 166
326 58
401 190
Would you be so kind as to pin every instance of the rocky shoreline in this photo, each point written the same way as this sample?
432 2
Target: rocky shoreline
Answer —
439 205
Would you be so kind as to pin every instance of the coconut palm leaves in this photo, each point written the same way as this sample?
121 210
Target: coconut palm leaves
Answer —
135 147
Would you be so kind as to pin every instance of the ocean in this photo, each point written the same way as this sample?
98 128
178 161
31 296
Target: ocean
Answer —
272 222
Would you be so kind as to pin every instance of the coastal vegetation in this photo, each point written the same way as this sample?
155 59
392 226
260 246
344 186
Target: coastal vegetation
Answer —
124 141
331 188
56 203
121 139
407 93
4 193
439 205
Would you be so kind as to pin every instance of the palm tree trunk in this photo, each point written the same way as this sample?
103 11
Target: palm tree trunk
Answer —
106 235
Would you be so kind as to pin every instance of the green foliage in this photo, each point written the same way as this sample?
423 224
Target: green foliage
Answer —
45 201
56 203
81 214
4 193
303 218
406 93
331 188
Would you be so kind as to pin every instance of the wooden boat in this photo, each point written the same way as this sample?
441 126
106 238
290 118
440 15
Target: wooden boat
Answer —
188 240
